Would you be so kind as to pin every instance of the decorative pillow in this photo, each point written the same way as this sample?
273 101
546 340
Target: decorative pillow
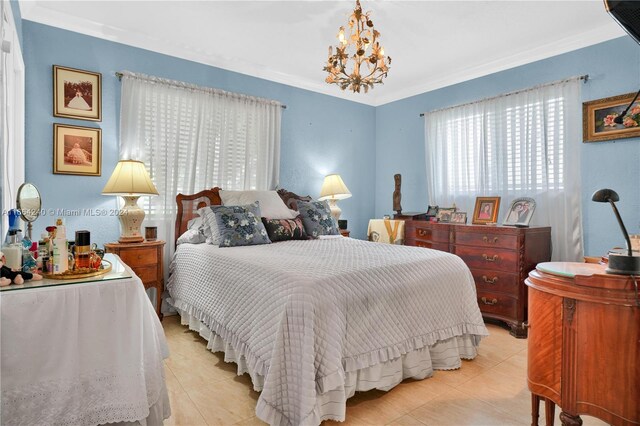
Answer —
192 236
271 205
195 223
284 229
209 226
240 228
316 217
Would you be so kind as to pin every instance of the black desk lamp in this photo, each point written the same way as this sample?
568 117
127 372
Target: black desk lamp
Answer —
618 263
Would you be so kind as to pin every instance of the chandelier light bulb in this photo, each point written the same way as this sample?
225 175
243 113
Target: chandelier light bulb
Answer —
353 66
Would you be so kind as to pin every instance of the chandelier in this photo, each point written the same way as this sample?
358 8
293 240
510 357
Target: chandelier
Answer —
361 46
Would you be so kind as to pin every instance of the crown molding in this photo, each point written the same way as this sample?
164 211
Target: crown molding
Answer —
31 11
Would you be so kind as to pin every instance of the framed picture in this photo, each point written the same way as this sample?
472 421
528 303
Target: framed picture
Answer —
77 94
459 218
432 210
520 212
445 213
486 210
598 119
77 150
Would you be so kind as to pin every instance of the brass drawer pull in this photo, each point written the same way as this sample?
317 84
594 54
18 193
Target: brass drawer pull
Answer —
489 302
486 239
489 281
490 259
422 232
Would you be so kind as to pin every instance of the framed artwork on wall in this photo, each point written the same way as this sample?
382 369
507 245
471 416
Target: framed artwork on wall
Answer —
77 150
77 94
486 210
598 119
520 212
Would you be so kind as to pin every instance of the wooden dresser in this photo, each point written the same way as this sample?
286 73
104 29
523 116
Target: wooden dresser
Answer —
584 343
146 260
499 257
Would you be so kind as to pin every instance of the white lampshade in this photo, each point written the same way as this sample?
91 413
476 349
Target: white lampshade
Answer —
334 188
130 178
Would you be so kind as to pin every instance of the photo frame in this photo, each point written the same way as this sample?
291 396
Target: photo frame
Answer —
486 210
598 116
459 218
444 214
77 150
77 93
520 212
432 210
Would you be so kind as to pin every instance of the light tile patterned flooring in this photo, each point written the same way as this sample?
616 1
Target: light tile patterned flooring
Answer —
490 390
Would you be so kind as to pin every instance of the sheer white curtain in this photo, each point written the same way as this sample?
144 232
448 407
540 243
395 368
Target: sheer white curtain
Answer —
193 138
521 144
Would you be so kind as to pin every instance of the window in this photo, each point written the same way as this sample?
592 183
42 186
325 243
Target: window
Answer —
512 146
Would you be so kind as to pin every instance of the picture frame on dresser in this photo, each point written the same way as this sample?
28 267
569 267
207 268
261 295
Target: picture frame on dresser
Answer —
486 210
445 214
520 212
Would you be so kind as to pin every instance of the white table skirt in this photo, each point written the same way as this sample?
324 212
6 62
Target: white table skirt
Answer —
82 354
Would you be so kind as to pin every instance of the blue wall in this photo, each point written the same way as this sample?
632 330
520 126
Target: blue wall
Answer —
17 17
613 68
320 134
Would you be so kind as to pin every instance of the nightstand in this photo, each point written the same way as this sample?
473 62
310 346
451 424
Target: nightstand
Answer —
344 232
146 260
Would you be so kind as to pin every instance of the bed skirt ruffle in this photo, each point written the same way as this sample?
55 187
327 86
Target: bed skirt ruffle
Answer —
334 390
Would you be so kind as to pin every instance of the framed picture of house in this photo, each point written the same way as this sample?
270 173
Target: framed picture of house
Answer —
77 150
486 210
598 119
77 94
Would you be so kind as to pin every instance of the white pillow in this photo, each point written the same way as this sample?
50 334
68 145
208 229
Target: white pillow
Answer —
195 223
192 236
209 226
271 205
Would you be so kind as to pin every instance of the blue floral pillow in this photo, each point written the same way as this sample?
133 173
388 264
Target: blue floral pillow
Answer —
240 225
316 217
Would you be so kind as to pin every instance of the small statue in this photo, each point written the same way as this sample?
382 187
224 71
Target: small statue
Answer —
397 195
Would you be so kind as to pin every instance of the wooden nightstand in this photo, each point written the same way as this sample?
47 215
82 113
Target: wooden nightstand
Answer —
345 232
146 260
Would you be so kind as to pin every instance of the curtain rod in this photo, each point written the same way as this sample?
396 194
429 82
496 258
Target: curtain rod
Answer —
584 77
185 85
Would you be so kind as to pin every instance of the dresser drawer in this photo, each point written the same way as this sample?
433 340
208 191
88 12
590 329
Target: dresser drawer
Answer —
497 304
427 244
425 232
496 281
488 258
487 240
138 257
148 274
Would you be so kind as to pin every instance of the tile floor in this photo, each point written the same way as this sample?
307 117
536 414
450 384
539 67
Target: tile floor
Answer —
490 390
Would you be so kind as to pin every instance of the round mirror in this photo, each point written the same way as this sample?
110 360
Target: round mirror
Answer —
29 202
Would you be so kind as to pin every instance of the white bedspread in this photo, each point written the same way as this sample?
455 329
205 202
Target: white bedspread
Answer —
303 313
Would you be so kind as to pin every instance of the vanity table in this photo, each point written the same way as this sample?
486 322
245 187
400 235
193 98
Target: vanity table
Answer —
84 351
584 343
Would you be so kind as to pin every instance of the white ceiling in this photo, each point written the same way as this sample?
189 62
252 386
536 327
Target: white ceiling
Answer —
432 43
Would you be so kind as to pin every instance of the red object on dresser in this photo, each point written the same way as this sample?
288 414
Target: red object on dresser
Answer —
499 257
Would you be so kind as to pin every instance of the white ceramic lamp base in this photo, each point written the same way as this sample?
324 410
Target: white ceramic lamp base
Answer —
335 210
131 217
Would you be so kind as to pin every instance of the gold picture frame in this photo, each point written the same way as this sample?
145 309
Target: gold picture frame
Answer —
486 210
598 115
77 93
77 150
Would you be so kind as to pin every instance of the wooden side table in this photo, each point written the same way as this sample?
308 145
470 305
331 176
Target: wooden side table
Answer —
344 232
146 260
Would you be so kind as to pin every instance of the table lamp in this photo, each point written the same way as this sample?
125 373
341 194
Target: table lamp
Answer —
130 180
618 263
334 189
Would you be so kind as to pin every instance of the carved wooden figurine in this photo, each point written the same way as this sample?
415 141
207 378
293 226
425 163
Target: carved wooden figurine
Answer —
397 195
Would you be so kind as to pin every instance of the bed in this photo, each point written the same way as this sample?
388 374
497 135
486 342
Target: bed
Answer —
312 322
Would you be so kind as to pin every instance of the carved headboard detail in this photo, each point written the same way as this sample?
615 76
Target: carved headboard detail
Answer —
188 205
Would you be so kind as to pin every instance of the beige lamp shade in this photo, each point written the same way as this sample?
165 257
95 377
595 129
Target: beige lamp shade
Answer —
333 188
130 178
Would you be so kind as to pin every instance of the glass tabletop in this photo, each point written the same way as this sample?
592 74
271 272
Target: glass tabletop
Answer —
571 269
118 271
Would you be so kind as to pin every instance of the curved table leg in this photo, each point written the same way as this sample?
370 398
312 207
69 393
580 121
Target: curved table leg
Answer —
535 408
570 420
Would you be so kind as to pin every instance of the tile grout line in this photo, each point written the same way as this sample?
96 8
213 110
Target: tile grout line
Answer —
188 396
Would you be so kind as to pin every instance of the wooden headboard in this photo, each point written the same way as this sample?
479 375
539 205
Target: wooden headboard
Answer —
188 205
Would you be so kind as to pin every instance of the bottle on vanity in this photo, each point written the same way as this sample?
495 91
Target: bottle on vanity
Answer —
13 250
60 251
